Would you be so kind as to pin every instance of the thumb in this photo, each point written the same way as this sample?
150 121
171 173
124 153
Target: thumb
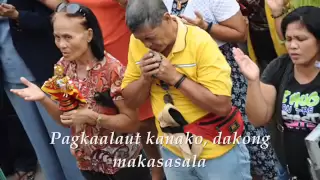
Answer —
25 82
198 14
8 6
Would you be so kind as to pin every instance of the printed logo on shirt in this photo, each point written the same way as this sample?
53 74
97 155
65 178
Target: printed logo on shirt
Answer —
300 111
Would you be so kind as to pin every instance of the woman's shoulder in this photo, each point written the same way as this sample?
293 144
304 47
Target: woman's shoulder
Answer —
275 69
112 61
280 62
113 65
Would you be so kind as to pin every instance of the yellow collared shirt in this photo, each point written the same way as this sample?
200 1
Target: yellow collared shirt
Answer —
198 56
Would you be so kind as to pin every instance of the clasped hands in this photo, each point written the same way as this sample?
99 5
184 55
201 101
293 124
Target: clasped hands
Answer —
153 65
78 117
8 10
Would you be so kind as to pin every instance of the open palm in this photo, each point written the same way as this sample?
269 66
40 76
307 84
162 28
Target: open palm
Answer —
31 93
248 68
276 5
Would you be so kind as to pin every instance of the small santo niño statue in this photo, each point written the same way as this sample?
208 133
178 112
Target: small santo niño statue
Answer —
63 90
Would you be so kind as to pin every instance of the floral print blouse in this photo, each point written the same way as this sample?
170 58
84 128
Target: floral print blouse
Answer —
101 156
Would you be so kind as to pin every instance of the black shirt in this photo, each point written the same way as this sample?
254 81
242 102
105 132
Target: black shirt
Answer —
300 115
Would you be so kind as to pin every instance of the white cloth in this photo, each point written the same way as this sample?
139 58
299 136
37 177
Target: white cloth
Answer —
214 11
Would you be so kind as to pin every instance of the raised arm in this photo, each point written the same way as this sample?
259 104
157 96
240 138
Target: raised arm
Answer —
260 102
278 11
261 96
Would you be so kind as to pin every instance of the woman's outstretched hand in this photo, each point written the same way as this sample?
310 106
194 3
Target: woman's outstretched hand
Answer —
31 93
248 68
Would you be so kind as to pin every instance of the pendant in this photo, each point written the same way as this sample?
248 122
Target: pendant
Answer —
179 6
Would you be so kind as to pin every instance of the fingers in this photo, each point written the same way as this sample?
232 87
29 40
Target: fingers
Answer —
20 92
185 21
239 56
2 10
198 14
67 122
69 113
237 52
150 64
151 67
146 56
189 20
7 6
25 81
149 61
65 117
152 72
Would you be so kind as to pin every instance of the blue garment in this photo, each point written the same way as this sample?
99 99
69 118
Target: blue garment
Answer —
234 165
12 64
56 161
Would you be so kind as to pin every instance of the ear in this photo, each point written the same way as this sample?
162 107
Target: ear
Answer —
89 35
166 17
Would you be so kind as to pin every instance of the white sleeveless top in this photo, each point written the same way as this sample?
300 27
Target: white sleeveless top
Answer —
214 11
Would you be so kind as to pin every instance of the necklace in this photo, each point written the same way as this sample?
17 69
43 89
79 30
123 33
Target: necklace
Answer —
179 4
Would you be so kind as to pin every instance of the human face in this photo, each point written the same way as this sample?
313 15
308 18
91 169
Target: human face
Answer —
302 46
157 38
71 37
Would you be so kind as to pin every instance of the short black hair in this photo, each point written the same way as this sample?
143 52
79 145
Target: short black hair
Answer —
96 44
308 16
144 12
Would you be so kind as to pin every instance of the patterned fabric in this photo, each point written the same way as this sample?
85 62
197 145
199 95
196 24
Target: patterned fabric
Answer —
100 157
214 11
263 161
175 10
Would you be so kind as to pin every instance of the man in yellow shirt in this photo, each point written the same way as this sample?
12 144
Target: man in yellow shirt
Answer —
199 81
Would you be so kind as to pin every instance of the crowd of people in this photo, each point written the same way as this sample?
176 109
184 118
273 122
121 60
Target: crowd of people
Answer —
176 69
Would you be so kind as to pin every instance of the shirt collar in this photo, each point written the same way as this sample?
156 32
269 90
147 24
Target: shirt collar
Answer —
180 43
94 64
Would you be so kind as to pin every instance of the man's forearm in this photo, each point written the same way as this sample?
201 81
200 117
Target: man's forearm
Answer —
203 98
137 92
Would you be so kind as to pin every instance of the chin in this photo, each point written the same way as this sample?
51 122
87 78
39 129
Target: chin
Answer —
67 58
300 62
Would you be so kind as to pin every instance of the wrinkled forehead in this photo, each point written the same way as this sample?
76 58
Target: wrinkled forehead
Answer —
62 23
146 31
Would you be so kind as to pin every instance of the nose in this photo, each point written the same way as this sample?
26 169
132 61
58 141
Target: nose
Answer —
293 44
62 44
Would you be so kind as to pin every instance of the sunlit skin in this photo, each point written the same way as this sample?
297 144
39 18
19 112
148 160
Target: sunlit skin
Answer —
71 37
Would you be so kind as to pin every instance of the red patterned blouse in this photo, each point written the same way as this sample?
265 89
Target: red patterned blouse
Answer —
100 155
